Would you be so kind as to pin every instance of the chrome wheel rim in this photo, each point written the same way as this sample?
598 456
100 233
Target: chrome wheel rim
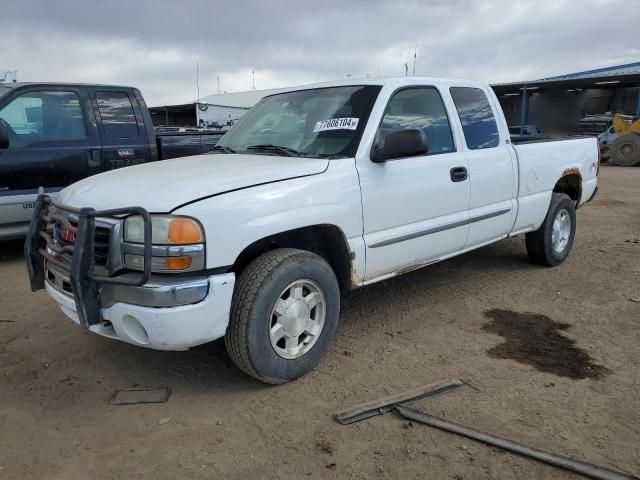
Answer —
561 231
297 319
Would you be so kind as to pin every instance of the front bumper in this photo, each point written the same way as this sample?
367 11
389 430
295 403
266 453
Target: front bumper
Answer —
155 311
161 328
159 291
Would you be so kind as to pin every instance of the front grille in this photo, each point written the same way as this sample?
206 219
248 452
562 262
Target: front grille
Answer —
101 243
102 238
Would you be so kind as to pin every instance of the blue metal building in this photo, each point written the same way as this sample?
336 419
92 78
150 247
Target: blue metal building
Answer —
556 102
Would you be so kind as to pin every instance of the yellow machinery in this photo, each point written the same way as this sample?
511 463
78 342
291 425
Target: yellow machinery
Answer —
625 149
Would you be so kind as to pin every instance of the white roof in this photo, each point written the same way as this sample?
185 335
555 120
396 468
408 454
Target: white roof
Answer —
239 99
250 98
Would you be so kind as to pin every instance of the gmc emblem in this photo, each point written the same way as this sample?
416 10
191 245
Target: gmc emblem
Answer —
67 234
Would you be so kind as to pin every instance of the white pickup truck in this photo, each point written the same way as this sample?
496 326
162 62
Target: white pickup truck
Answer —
318 190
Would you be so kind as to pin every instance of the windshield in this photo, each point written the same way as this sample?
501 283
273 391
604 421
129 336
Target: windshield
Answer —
320 122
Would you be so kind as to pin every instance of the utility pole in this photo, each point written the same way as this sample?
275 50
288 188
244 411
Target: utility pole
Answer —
406 69
198 81
253 78
218 78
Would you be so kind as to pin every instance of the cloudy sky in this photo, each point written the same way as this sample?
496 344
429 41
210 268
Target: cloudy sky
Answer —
155 44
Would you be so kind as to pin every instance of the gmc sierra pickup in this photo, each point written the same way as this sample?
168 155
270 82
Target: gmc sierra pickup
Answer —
316 191
52 135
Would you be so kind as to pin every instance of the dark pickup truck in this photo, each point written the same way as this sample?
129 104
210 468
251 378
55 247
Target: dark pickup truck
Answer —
52 135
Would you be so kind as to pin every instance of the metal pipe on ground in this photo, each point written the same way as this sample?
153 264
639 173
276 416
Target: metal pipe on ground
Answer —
587 469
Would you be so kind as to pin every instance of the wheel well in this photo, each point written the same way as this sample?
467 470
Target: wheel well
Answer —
571 184
328 241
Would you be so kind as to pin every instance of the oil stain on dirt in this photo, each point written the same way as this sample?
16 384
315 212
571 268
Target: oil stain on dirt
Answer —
537 340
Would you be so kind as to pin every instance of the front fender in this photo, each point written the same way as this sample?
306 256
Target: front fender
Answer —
235 220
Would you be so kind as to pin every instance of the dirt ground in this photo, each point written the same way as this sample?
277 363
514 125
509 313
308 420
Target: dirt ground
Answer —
551 357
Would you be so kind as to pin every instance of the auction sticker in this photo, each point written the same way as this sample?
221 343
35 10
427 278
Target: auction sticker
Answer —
345 123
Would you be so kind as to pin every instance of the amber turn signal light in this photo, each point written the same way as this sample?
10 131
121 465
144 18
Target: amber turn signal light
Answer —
184 230
178 263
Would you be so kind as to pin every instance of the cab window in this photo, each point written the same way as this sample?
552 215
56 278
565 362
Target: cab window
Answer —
44 116
420 108
116 113
478 123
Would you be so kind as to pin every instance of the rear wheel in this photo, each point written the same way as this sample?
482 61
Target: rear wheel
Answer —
625 150
284 314
551 243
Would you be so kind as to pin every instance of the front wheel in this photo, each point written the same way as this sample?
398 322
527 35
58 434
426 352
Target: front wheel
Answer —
551 243
283 316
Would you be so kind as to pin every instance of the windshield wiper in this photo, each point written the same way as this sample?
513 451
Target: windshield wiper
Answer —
222 148
286 151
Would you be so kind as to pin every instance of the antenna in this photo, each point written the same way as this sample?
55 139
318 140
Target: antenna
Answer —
379 71
415 54
253 78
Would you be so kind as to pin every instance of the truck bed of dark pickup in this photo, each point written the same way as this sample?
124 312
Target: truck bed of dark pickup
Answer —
52 135
183 144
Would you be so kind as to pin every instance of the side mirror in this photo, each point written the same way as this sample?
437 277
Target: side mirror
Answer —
4 134
411 142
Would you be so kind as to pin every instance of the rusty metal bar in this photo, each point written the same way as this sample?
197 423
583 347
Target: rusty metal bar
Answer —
62 206
53 260
387 404
53 246
54 218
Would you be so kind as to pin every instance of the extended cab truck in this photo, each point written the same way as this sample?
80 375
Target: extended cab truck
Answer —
315 191
52 135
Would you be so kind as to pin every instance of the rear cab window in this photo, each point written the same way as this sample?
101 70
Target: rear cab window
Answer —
421 108
476 116
117 115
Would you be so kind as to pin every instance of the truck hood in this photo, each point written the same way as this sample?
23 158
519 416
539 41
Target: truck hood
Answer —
162 186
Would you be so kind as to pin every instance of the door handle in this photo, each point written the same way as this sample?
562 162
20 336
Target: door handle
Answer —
93 158
459 174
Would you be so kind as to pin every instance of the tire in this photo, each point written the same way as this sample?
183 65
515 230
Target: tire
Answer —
551 243
274 294
625 150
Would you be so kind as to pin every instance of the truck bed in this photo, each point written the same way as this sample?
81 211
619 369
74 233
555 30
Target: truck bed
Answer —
541 163
182 144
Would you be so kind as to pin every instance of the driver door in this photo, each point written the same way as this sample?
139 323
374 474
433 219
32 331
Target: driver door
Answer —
416 210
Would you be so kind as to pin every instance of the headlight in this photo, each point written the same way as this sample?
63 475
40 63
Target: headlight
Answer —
177 244
165 230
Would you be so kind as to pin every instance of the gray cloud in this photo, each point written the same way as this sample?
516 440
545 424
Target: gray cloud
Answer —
154 44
